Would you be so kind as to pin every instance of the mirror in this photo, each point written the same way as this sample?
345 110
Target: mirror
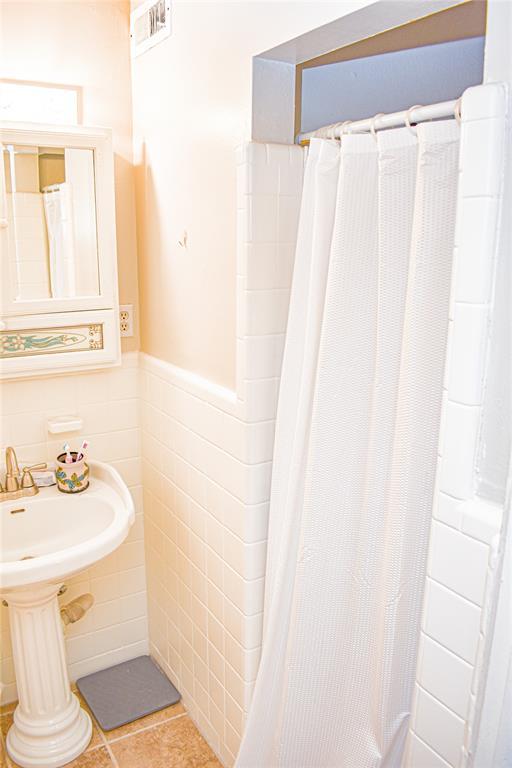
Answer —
52 243
59 305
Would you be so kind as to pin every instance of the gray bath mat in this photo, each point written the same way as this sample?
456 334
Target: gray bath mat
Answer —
121 694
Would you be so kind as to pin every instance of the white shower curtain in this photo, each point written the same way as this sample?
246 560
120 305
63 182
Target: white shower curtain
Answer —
356 448
58 210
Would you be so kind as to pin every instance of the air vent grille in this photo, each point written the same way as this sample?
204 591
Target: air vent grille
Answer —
150 23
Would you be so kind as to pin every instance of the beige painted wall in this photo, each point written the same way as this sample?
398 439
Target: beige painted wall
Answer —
192 108
84 44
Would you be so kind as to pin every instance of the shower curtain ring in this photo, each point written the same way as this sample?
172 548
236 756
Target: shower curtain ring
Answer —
342 127
331 131
372 124
408 118
456 111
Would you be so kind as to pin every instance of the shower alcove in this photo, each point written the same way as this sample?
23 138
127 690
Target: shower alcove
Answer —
367 63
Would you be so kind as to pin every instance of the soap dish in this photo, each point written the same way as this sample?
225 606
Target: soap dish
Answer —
59 424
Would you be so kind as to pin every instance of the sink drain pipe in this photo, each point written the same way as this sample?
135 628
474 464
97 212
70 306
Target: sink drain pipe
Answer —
76 609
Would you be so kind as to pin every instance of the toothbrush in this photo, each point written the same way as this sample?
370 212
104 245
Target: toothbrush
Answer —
81 453
69 458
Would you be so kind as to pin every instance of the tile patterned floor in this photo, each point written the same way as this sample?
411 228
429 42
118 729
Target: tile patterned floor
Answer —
165 739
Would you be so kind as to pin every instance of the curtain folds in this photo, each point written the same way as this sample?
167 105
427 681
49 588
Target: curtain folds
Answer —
58 210
356 449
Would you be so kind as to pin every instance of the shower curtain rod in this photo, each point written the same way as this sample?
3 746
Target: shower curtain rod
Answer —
416 114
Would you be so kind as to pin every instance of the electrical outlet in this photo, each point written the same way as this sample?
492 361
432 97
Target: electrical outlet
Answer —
126 319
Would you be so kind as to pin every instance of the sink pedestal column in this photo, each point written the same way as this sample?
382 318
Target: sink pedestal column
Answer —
50 728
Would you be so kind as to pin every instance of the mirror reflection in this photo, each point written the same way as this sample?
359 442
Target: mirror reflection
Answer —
51 210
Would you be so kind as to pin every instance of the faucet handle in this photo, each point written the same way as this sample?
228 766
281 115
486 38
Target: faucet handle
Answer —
27 481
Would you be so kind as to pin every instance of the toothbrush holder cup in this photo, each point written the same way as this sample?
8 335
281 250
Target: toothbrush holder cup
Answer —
72 477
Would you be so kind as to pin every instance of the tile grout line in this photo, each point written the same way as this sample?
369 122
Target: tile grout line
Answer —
467 599
3 744
146 728
113 758
432 749
422 688
104 741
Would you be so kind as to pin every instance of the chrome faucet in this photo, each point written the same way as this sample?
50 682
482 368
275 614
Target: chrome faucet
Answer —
16 486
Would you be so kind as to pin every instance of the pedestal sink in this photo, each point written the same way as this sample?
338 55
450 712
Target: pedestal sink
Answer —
46 539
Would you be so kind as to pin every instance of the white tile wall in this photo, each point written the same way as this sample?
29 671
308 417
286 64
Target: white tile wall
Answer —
207 458
115 629
465 528
452 621
423 757
436 723
445 676
27 243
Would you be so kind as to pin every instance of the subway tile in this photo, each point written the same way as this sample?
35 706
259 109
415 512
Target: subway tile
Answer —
106 614
440 729
216 691
234 713
132 580
458 450
477 219
248 560
261 398
445 676
242 152
248 522
479 103
266 311
262 220
258 486
291 172
27 428
288 218
261 271
104 588
452 621
264 356
243 185
246 596
216 662
467 357
130 555
133 606
262 177
235 654
214 569
216 633
124 383
285 264
251 663
232 739
458 562
448 509
483 142
421 756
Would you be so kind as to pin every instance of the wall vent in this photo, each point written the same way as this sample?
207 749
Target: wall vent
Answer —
150 23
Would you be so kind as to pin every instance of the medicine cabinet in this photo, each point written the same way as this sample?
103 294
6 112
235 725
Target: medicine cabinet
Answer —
59 302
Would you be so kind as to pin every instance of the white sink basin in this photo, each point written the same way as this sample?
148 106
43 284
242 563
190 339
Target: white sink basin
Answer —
45 539
62 534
